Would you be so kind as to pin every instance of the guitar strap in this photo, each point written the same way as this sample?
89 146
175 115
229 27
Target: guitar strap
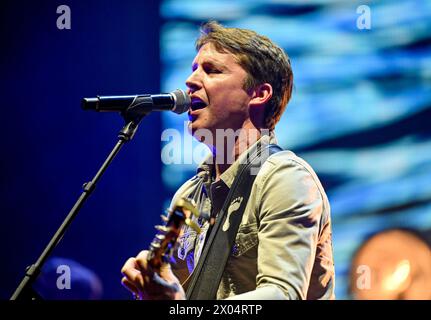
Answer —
208 272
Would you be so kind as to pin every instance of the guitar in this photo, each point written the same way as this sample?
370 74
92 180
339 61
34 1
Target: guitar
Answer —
163 244
162 247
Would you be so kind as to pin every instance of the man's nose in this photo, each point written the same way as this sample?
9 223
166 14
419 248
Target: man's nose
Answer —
193 82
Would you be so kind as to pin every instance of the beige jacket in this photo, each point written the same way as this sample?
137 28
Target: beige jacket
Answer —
283 247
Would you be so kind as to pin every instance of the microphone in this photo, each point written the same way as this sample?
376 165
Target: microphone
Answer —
177 101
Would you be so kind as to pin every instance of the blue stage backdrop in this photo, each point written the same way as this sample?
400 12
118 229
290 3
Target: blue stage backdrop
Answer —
361 107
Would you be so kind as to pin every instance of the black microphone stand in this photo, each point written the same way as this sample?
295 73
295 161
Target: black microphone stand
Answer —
25 291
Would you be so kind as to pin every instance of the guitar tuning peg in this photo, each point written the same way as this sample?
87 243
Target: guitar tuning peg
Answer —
162 229
193 225
160 237
155 245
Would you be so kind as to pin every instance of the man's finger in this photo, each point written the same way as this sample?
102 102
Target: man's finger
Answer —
142 255
134 276
129 286
142 263
130 264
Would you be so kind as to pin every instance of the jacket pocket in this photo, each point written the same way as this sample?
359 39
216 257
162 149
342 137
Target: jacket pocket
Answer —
246 239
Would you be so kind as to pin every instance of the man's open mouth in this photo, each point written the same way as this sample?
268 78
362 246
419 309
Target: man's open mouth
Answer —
197 104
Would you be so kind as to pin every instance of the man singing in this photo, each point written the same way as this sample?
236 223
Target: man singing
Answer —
241 81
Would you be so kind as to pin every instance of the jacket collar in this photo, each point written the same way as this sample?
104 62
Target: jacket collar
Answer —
207 170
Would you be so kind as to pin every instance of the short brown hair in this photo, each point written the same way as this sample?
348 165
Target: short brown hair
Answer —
264 61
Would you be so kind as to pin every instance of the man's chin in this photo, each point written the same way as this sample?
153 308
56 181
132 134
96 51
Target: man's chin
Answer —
200 132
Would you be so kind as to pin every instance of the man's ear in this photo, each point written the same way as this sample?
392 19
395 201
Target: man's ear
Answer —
260 95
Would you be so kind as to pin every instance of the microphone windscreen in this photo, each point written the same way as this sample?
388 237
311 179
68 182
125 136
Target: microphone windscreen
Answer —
182 101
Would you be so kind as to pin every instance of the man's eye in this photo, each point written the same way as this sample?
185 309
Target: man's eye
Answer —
213 71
